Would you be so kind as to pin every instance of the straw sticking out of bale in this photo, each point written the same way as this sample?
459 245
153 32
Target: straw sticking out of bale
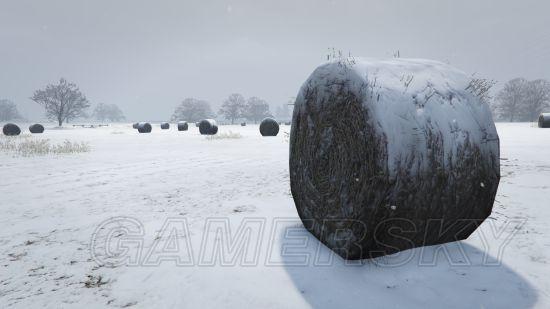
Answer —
183 126
208 127
387 155
544 120
144 127
165 126
11 129
36 128
269 127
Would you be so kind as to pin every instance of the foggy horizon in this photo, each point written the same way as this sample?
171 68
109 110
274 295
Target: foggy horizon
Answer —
147 57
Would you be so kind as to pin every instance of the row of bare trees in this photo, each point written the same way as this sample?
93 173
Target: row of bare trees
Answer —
64 102
233 108
253 109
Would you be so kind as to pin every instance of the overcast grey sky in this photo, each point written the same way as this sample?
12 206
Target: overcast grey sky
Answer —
146 56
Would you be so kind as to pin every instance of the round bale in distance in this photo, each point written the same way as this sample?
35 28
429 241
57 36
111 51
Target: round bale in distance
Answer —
165 126
36 128
379 169
269 127
144 127
11 129
544 120
183 126
208 127
243 124
135 125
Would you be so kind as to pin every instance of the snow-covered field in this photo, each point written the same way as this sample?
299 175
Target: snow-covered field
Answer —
199 223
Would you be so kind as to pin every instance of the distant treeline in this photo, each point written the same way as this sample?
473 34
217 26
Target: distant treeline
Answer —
64 102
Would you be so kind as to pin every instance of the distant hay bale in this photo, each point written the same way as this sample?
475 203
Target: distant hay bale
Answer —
36 128
390 155
288 123
269 127
165 126
183 126
135 125
243 124
208 127
544 120
11 129
197 124
144 127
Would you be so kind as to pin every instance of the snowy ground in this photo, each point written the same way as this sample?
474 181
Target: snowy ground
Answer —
60 211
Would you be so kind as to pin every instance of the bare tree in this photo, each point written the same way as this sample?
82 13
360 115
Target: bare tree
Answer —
256 109
8 110
510 100
109 112
537 98
192 110
62 102
233 107
522 100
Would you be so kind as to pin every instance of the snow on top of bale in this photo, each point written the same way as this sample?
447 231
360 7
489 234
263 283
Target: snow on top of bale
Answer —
404 95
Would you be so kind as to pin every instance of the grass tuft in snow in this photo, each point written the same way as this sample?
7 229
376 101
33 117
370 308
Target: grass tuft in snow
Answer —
286 136
94 282
27 146
225 135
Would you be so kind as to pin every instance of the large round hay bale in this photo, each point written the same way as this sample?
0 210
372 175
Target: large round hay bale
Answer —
165 126
11 129
144 127
544 120
183 126
391 155
135 125
269 127
36 128
208 127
